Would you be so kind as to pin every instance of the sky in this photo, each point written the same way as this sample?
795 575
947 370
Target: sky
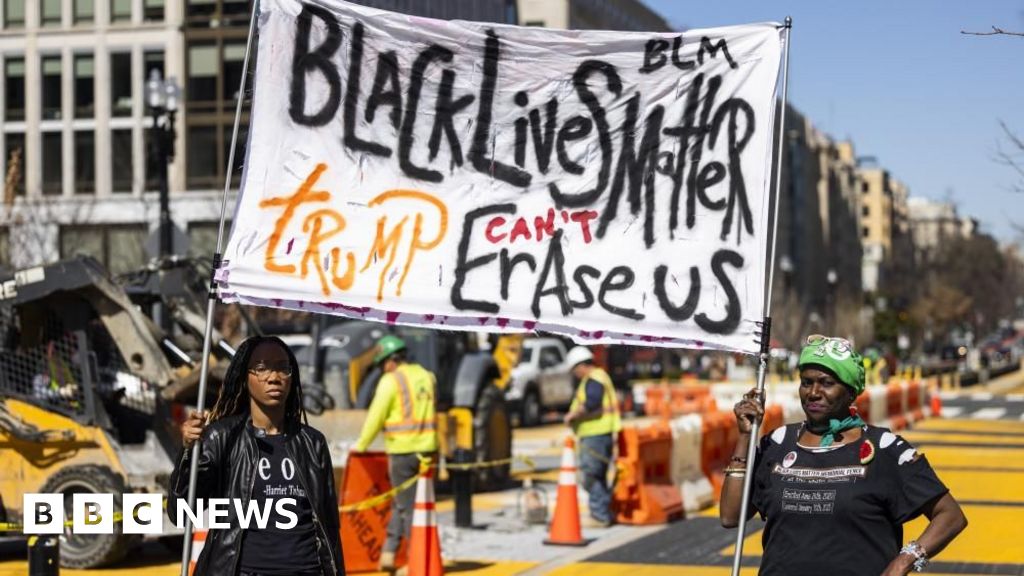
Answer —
902 83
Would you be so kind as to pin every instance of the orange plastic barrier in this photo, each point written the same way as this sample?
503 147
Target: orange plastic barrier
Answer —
773 418
863 404
894 406
363 532
656 402
719 437
644 492
668 401
915 411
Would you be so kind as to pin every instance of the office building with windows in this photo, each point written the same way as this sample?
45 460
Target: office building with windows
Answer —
73 126
80 172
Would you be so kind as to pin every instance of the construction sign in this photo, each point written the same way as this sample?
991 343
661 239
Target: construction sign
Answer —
610 186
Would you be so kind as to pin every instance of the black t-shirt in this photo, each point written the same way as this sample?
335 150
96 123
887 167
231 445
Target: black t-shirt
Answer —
273 550
838 512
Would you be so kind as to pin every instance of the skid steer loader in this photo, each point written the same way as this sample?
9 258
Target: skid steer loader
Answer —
81 375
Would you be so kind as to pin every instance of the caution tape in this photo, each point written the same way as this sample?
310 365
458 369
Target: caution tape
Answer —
383 497
375 501
473 465
620 468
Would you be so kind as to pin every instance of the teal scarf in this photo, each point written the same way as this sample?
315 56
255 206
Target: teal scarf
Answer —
837 426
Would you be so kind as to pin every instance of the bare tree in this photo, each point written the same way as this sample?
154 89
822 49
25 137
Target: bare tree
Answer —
30 219
996 31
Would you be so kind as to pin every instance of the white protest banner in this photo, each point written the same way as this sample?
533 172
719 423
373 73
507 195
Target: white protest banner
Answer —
610 186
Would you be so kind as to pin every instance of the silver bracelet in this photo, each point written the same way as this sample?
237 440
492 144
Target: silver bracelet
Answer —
918 552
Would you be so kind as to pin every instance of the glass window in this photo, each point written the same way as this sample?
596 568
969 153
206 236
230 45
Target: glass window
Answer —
85 162
14 89
5 247
202 76
126 248
234 57
120 10
153 10
121 158
202 237
153 60
82 240
202 157
84 12
84 89
119 248
14 152
121 84
201 9
51 88
239 160
53 163
51 13
236 10
14 13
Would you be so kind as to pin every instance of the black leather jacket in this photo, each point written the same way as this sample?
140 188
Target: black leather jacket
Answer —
227 464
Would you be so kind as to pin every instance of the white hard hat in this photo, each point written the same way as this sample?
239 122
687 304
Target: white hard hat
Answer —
577 355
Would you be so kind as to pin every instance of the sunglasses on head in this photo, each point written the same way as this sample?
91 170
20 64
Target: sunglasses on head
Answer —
816 339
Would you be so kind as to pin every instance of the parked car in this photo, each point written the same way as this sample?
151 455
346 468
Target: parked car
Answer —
541 382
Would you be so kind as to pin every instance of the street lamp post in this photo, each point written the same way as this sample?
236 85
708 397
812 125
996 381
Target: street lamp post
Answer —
162 100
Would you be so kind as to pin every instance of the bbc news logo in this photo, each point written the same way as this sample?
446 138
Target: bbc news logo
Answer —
143 514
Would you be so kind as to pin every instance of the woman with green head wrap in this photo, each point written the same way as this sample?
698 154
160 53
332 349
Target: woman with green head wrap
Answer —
833 491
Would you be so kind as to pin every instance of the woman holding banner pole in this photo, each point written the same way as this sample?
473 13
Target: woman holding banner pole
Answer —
835 492
256 447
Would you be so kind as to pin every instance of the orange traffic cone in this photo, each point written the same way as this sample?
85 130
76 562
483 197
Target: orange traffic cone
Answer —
198 542
565 527
425 544
936 404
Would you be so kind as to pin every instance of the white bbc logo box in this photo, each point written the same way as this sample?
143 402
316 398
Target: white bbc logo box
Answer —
92 514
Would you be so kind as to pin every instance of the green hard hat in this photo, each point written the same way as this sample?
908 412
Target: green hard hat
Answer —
387 346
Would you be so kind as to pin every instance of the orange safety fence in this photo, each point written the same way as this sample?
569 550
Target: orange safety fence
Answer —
644 492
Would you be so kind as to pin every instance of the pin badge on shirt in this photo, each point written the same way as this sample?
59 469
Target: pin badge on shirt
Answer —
789 459
867 452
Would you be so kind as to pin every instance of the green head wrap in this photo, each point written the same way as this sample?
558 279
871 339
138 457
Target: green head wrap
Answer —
838 357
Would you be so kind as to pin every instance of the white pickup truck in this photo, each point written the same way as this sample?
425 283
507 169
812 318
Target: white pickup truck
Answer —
541 382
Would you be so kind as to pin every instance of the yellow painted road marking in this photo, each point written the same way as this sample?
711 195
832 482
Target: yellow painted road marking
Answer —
978 459
988 486
965 438
971 425
993 535
611 569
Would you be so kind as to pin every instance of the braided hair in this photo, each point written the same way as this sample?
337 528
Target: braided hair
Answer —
233 397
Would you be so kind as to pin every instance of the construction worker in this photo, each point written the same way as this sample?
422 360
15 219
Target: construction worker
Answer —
594 418
403 406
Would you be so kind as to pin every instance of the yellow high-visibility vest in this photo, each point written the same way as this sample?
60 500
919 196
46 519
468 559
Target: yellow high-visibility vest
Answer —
610 421
411 422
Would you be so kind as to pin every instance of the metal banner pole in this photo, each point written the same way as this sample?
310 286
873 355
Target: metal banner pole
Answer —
186 551
766 326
